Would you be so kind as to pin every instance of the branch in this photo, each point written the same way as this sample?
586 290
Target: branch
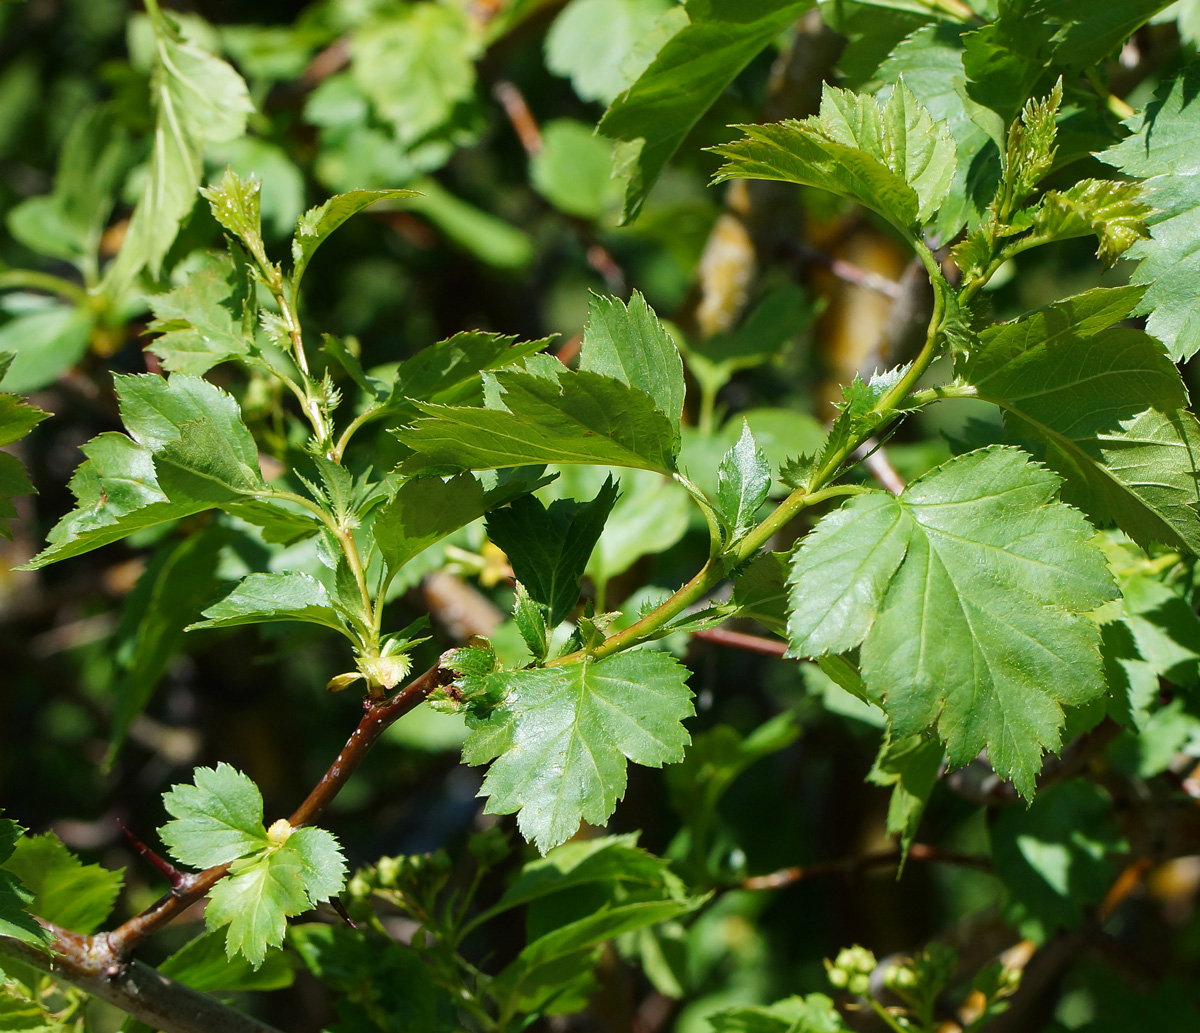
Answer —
740 640
100 963
863 862
146 994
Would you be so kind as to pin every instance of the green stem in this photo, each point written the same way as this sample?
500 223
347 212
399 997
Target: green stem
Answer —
1115 104
708 407
14 278
783 514
716 536
359 421
887 1016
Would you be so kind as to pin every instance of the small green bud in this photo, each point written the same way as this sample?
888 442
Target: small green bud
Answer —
388 870
358 888
838 977
859 984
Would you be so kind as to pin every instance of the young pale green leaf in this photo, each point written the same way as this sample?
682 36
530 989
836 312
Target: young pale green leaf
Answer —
292 874
815 1013
262 598
426 509
561 736
564 416
216 820
415 63
968 606
235 204
652 118
197 98
448 372
911 766
315 226
549 548
1108 407
203 321
629 344
65 891
1165 149
743 483
1115 213
530 618
890 157
254 901
15 898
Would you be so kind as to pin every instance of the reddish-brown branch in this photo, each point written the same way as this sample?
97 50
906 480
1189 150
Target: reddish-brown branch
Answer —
523 122
109 951
164 867
740 640
862 863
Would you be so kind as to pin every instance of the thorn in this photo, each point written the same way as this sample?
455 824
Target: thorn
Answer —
167 870
336 904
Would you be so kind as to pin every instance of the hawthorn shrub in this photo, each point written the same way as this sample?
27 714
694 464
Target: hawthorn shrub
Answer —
811 602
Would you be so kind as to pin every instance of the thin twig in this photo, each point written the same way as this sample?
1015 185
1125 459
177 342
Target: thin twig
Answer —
875 459
863 862
740 640
523 122
113 948
853 274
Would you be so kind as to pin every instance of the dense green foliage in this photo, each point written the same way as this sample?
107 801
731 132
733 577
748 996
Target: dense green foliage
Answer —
799 410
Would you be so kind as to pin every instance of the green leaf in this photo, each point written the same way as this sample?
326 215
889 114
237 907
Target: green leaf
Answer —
235 204
632 346
403 997
760 591
262 598
65 891
1115 213
1054 857
15 898
448 372
912 767
592 41
426 509
812 1014
283 187
563 416
20 1013
652 118
316 225
261 891
203 321
573 170
967 593
197 98
179 579
743 483
530 618
549 548
873 30
16 420
203 965
216 820
67 223
1108 407
562 736
1165 148
254 900
188 451
415 63
47 343
930 61
889 157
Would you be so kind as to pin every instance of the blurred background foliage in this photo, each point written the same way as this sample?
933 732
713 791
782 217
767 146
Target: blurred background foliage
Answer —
488 109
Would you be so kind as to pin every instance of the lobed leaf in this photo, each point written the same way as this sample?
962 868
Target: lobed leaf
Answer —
561 736
651 119
216 820
254 901
549 547
563 416
15 897
64 890
967 601
1107 406
629 344
1165 150
889 157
